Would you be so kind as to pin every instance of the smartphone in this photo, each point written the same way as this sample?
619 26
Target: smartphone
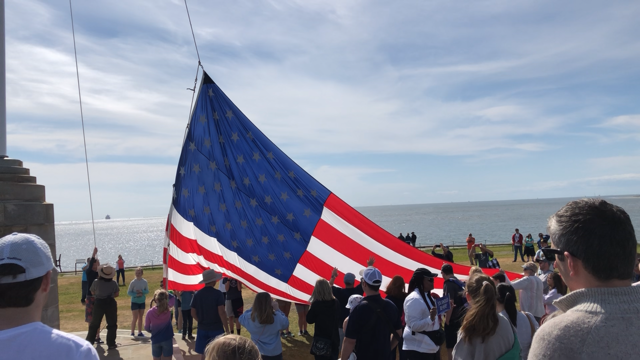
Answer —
437 245
477 245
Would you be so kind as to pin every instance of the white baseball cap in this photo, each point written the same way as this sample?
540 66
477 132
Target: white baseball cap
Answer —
28 251
372 276
354 300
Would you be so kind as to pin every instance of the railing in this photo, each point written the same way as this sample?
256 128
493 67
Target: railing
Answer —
75 266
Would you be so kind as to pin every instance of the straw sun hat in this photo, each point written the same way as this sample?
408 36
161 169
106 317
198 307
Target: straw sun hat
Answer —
106 271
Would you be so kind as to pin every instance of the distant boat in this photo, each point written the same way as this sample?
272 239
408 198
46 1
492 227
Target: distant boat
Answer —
107 217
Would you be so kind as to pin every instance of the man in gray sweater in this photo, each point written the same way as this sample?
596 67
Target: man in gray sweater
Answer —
594 245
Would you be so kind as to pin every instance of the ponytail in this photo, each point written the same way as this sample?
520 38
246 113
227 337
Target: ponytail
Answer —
481 319
507 297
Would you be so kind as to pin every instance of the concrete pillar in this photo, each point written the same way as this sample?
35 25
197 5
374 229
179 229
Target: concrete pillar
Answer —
23 208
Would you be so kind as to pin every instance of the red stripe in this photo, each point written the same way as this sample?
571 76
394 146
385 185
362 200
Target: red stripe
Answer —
185 269
183 287
191 246
368 227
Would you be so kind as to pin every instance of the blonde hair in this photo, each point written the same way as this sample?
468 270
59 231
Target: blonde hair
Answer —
322 291
475 271
262 312
161 298
232 347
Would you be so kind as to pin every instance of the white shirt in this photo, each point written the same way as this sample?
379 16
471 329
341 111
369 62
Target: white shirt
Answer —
548 301
416 315
221 287
531 297
37 341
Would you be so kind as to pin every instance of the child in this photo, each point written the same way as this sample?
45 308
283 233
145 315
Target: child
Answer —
158 323
138 288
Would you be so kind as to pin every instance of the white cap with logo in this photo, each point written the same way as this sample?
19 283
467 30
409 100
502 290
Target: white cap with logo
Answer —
28 251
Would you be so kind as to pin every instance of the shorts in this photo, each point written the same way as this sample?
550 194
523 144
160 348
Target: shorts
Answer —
164 348
204 337
302 308
451 333
285 306
234 308
137 306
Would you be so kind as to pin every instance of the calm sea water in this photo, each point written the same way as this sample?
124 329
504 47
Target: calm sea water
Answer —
140 240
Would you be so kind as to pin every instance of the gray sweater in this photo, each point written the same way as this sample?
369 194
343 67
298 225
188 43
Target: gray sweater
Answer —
599 323
492 347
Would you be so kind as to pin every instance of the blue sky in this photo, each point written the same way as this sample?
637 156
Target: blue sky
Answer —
383 102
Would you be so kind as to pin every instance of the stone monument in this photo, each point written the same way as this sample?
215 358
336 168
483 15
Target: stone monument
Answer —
23 208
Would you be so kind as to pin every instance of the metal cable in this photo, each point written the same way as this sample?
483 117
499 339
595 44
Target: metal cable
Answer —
84 139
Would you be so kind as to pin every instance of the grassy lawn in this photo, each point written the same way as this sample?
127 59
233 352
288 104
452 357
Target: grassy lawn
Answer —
72 311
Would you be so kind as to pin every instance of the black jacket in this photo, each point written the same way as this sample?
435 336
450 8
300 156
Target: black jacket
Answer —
326 316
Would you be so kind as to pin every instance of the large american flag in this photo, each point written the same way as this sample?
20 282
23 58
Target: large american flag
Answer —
242 207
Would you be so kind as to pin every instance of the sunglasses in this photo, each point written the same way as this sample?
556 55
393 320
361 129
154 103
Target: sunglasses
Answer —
550 254
430 279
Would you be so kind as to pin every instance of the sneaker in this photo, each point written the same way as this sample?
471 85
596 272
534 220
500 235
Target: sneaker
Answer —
289 334
99 341
133 335
306 333
184 338
83 302
140 334
283 334
191 337
111 347
300 333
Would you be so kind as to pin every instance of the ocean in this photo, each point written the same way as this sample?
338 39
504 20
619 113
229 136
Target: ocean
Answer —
140 240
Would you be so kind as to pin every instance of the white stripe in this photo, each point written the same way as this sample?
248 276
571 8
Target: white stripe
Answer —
371 244
188 230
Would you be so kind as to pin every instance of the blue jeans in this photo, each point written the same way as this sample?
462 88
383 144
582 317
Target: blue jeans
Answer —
164 348
517 248
203 338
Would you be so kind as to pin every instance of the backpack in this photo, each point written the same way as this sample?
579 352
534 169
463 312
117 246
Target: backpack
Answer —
458 299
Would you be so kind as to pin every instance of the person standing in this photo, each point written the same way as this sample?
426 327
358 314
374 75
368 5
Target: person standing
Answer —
446 254
138 289
516 241
325 314
420 315
85 282
92 275
540 237
454 317
264 321
120 270
524 322
207 308
540 255
401 237
396 294
407 239
26 268
529 249
234 304
285 307
557 290
343 294
413 239
158 323
187 320
594 244
105 290
543 273
369 334
302 310
485 334
531 296
471 249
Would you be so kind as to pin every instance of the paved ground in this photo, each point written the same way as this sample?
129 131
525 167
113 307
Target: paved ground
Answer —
130 348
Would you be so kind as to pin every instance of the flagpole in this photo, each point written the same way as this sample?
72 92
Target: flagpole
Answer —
3 89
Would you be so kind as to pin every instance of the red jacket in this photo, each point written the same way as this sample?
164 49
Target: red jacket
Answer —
516 239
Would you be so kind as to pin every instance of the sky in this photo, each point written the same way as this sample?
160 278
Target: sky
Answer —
383 102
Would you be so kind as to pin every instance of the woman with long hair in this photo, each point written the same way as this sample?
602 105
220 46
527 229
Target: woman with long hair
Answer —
557 289
325 313
396 294
524 322
158 323
421 318
264 321
484 334
232 347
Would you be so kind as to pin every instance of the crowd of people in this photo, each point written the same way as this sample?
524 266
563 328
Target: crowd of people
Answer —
409 239
593 248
